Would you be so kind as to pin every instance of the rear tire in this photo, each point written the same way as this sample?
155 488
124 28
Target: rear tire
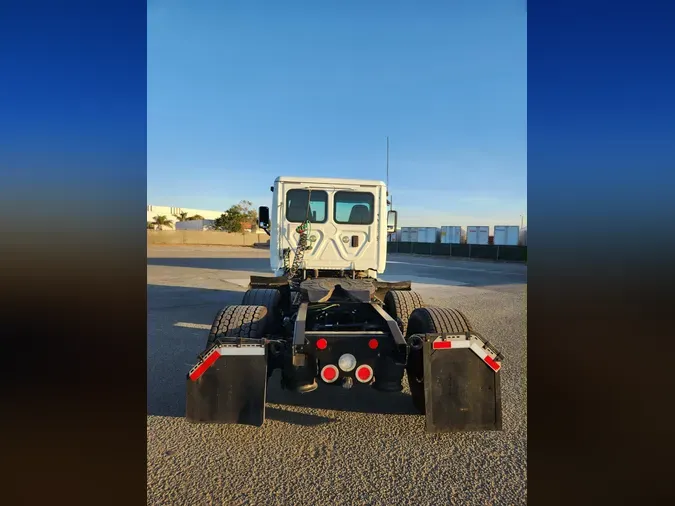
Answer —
271 299
430 320
400 304
239 321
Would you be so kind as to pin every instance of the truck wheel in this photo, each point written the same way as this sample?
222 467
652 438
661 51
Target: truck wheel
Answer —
269 298
400 304
429 320
239 321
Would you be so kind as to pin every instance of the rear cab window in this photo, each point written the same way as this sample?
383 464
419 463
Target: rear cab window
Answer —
303 205
354 208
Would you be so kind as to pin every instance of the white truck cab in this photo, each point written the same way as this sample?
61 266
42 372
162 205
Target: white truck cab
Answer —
346 223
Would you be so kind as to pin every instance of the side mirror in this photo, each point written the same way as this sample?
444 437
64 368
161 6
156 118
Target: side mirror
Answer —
264 217
392 221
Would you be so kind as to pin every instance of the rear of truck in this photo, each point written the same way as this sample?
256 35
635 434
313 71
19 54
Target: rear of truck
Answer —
325 320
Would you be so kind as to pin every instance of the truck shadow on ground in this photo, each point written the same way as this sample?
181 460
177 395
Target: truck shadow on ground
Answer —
175 315
174 339
296 418
358 399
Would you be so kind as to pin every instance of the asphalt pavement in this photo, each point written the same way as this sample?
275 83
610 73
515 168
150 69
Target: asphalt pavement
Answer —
349 447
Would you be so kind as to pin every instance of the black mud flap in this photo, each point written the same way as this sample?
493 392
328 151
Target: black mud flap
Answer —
229 384
461 385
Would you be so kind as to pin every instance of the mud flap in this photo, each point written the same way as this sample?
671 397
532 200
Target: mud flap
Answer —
229 385
462 388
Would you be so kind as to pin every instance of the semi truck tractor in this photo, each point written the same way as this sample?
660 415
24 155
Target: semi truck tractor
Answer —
325 320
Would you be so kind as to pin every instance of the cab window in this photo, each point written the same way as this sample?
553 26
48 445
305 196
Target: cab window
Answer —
354 208
301 206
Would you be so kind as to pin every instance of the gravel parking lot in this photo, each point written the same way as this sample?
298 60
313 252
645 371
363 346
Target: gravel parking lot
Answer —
348 448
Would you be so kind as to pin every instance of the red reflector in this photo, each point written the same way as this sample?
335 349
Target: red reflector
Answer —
322 344
442 345
329 373
364 374
205 365
494 365
372 344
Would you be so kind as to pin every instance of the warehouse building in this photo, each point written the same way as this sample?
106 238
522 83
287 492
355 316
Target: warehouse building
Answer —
172 212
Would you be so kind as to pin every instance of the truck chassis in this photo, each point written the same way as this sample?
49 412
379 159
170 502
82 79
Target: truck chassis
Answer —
327 329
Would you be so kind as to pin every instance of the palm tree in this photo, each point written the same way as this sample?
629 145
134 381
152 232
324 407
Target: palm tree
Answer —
151 226
161 221
196 217
181 216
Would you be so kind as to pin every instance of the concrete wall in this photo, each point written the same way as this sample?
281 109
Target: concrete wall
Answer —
205 237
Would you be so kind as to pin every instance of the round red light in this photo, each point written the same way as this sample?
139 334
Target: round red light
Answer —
321 343
364 374
372 344
329 373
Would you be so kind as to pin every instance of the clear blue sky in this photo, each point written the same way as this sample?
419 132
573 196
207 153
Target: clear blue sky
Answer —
241 92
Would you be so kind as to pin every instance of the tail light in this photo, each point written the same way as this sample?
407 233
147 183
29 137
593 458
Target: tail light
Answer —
364 373
329 373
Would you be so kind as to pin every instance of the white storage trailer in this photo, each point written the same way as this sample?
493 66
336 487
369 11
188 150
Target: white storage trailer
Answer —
428 234
506 235
453 235
478 235
408 234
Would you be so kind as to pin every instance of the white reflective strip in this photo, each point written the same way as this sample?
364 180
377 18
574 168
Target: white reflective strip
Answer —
479 351
455 343
475 344
244 350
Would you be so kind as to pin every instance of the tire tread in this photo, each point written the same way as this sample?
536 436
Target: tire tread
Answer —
400 304
239 321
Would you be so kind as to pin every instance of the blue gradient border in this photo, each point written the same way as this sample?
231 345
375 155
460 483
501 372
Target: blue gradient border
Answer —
601 163
72 270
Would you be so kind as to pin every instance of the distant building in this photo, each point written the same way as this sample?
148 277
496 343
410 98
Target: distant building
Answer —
172 212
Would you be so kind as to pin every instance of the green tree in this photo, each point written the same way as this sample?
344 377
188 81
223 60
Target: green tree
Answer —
151 226
162 221
234 219
195 217
181 216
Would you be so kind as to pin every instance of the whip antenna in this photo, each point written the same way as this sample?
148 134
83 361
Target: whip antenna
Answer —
388 168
